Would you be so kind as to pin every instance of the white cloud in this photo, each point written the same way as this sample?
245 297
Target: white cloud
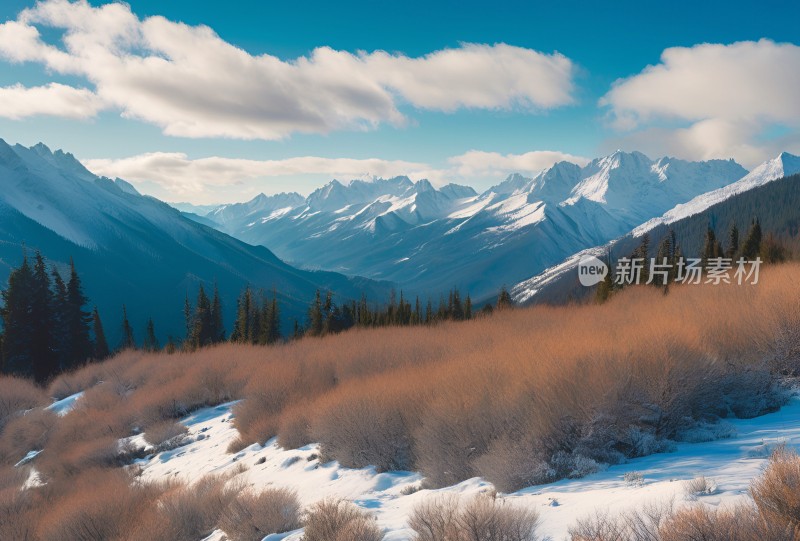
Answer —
728 98
477 163
191 83
175 176
54 99
184 176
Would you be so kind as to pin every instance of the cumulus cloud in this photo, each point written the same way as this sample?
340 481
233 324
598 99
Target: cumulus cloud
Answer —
477 163
192 83
54 99
185 176
726 100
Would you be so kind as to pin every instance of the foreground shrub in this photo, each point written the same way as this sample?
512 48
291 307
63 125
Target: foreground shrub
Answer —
340 520
192 512
25 433
100 505
251 516
777 491
165 435
17 396
483 518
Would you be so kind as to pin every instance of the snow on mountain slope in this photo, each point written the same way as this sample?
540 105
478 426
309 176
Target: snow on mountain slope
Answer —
785 164
731 463
135 250
430 240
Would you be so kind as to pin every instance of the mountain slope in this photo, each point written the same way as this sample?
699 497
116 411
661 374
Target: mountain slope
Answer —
770 192
137 250
432 239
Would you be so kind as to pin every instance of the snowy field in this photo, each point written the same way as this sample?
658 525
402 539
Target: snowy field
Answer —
731 463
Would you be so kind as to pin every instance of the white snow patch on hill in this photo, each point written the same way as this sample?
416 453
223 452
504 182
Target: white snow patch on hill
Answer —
731 463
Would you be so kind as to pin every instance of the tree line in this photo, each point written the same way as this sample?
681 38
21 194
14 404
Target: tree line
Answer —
47 328
754 245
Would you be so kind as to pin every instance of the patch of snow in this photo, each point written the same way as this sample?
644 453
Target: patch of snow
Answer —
732 463
65 405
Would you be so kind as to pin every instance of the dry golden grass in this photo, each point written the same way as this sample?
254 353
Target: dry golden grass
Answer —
252 516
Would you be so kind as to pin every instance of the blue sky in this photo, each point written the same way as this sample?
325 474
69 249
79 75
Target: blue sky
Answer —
715 101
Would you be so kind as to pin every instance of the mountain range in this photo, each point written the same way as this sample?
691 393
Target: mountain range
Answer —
136 250
770 192
430 239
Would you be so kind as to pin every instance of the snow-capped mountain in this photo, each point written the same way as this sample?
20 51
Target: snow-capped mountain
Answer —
557 281
431 239
134 249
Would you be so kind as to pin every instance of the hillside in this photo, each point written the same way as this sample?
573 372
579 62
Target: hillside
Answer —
136 250
396 418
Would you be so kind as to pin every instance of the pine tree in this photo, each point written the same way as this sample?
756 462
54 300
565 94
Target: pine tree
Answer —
187 317
43 356
217 325
468 307
242 328
643 252
751 248
150 340
504 299
733 242
273 321
709 246
202 321
17 325
128 341
315 318
78 321
100 344
61 337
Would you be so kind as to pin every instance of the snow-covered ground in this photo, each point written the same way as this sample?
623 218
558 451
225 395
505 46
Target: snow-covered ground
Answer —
731 463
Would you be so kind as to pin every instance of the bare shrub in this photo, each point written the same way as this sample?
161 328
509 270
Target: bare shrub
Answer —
643 524
435 519
633 478
489 519
17 396
483 518
24 433
251 516
699 486
165 434
100 505
340 520
192 512
777 491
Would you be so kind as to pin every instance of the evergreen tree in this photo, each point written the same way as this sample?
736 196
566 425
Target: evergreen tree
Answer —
468 308
643 252
709 246
100 344
217 325
187 317
772 250
504 299
17 324
315 318
733 242
150 340
78 321
751 248
202 321
43 357
242 328
273 321
61 337
128 341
